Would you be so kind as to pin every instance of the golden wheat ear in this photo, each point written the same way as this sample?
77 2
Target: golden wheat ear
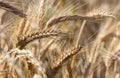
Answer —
23 41
65 56
94 17
12 9
101 13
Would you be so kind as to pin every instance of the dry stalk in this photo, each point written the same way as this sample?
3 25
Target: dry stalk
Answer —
12 9
78 39
23 41
65 56
21 26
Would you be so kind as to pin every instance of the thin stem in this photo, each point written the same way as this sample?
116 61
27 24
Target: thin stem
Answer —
77 43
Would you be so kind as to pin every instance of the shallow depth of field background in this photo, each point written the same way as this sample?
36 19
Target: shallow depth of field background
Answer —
53 56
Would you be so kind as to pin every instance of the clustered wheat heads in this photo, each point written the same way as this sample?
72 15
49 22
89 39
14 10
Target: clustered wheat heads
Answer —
14 59
8 7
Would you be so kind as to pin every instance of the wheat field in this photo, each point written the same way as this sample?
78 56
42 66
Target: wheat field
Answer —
59 39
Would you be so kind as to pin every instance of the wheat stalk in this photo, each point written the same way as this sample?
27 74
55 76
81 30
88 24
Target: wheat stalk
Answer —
12 9
22 42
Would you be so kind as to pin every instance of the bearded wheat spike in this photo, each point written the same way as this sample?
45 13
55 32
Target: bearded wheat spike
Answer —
102 13
22 42
96 16
65 56
12 9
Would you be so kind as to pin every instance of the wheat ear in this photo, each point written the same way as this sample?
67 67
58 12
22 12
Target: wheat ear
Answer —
65 56
22 42
12 9
77 17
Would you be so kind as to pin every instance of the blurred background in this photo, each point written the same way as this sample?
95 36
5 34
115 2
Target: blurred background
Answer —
99 38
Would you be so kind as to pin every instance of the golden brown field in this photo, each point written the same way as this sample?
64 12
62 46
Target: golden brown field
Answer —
59 39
